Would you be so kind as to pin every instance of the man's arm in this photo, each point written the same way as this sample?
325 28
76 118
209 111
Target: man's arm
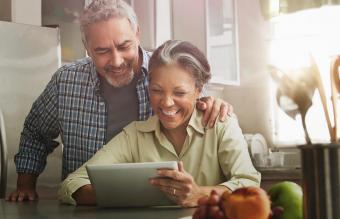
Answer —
213 108
36 142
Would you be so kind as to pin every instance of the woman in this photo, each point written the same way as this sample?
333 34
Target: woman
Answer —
209 159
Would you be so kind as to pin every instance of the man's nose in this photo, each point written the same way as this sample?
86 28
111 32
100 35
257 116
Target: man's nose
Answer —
116 59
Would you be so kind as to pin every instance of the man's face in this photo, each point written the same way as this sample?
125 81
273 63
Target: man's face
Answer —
113 47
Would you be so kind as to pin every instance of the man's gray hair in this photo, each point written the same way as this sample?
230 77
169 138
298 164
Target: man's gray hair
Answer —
184 54
102 10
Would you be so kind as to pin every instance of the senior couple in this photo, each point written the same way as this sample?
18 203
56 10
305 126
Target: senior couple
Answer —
132 86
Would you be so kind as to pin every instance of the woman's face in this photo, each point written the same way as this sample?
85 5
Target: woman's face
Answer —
173 96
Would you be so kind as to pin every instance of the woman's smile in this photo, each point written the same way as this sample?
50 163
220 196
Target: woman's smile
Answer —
171 113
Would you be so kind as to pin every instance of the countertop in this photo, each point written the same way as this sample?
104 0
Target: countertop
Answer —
50 209
280 173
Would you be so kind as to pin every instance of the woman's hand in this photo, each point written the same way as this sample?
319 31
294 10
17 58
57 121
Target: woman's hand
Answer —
213 108
179 186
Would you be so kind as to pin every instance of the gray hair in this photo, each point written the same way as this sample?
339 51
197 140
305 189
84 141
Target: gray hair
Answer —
186 56
102 10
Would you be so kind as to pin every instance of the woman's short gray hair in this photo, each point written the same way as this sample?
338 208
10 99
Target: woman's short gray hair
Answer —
184 54
102 10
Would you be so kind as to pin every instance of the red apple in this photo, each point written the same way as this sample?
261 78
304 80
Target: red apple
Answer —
246 203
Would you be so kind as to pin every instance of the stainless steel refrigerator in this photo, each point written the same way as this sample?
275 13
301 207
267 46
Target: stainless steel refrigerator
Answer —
29 55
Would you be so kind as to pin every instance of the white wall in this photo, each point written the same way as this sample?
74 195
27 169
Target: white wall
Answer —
26 11
146 13
191 26
252 99
163 21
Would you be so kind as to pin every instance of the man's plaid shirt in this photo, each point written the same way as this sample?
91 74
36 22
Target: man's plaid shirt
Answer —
71 106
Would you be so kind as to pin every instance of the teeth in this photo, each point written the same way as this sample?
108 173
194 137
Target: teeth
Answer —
169 113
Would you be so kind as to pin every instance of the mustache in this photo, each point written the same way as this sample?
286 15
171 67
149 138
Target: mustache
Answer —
110 68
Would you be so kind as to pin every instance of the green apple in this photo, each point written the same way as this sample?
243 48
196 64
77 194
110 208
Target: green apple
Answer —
287 195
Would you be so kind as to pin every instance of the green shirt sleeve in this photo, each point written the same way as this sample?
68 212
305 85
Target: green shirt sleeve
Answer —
234 157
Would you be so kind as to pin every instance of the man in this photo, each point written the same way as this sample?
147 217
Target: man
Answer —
90 101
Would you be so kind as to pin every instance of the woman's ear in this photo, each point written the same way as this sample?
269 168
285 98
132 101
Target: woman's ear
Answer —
198 93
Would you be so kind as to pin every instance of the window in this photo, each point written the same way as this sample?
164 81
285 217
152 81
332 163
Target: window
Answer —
222 44
293 38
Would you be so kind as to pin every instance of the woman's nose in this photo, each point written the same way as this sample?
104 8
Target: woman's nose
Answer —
168 101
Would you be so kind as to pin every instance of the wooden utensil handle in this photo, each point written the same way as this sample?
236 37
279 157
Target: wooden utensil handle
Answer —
335 88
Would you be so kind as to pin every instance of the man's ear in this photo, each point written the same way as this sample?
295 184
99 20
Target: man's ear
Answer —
88 52
85 45
138 33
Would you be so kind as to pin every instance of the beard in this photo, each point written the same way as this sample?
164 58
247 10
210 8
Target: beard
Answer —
121 79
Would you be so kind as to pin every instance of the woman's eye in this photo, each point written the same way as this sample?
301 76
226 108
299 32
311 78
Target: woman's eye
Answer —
155 90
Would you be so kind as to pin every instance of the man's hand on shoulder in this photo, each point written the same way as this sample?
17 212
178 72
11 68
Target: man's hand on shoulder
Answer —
213 108
25 189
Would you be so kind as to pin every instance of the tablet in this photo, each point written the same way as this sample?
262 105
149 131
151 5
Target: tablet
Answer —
127 184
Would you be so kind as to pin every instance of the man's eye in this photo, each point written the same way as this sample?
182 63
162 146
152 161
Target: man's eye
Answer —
124 47
180 93
102 51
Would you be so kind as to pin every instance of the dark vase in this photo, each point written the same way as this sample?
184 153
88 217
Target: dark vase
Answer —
321 181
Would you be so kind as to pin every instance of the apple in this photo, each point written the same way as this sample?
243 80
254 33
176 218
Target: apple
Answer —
287 195
246 203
